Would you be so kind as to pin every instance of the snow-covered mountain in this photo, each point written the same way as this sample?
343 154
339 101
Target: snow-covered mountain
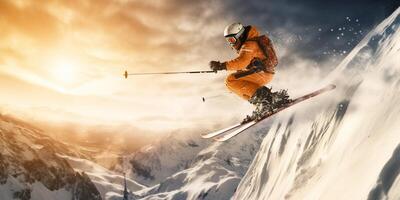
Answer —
350 147
108 183
184 166
30 167
179 166
169 155
342 145
212 173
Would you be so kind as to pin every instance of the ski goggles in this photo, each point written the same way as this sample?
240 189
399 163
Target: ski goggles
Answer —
231 39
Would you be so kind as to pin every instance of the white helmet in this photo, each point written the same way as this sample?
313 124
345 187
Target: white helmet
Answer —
233 32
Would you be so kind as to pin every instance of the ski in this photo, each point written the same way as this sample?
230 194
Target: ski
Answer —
224 137
215 133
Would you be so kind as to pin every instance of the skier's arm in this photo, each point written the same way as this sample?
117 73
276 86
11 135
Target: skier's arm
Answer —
246 54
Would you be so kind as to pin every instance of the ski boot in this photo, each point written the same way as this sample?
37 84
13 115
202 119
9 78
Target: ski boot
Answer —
262 100
266 103
280 99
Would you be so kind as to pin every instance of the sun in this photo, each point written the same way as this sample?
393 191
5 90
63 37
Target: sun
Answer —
64 71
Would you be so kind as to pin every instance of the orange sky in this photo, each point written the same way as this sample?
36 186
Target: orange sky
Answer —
63 62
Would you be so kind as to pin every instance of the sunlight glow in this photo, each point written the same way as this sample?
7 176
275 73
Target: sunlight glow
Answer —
64 70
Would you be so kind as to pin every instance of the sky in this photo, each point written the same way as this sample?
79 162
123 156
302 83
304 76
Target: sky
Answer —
61 62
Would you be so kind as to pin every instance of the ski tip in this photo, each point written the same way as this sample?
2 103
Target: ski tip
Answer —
204 136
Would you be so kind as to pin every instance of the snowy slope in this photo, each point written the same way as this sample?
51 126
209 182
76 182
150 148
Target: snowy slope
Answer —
345 144
182 166
108 183
31 169
211 173
169 155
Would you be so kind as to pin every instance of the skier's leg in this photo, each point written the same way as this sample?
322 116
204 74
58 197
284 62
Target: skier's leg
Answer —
246 86
252 89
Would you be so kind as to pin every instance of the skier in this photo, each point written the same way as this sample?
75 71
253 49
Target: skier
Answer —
254 67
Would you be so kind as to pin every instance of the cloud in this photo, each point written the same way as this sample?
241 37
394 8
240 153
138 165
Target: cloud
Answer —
108 34
31 20
311 22
104 38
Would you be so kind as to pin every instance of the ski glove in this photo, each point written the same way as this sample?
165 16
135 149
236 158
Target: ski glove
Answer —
216 66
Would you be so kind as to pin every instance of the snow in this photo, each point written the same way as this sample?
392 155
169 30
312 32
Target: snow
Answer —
157 162
7 189
340 145
28 165
346 150
343 144
40 192
394 192
184 166
108 183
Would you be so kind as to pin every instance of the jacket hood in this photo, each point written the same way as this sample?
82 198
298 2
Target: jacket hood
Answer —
253 32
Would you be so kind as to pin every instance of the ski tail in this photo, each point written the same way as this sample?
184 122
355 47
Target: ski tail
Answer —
225 137
219 132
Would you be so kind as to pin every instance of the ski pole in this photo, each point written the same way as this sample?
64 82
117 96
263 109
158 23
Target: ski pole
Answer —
214 96
126 74
211 97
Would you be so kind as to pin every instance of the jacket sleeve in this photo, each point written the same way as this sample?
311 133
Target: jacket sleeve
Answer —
246 54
